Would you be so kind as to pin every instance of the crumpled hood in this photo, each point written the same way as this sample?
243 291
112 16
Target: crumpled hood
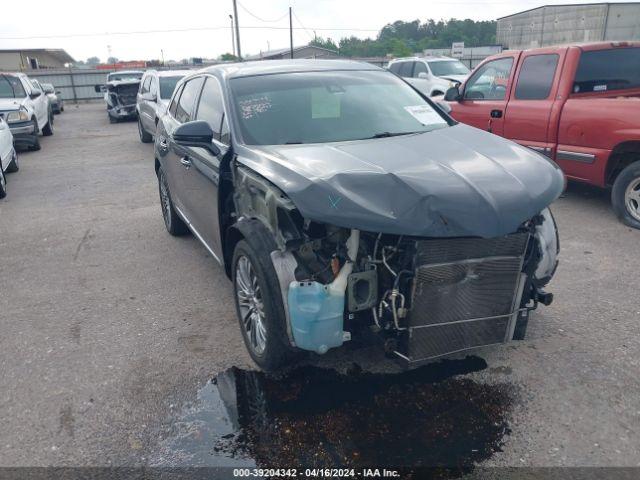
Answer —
8 104
456 181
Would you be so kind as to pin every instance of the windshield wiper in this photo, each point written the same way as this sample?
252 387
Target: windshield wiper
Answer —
390 134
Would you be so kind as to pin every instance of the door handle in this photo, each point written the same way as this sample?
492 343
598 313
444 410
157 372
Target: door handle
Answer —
496 113
186 162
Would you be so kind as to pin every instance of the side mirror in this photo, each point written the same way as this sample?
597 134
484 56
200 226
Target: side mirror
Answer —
453 95
197 133
35 94
58 92
148 96
424 75
100 88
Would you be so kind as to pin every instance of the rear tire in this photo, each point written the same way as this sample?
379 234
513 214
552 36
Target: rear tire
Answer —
174 224
259 305
625 195
13 166
47 130
145 137
112 119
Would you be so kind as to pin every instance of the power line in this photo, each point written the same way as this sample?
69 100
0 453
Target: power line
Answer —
196 29
260 18
301 24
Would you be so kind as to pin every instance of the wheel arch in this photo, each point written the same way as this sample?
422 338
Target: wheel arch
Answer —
623 155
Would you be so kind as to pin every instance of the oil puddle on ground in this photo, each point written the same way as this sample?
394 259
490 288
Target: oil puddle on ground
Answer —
313 417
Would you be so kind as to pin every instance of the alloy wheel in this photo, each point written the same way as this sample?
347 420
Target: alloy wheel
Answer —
632 199
250 305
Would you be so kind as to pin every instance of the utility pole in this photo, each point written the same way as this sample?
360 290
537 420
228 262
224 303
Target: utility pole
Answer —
162 55
290 31
233 38
235 15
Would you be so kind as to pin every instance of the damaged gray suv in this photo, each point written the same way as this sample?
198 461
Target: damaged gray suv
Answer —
343 202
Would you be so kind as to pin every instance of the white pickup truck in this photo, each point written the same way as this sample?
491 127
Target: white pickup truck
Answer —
432 76
26 109
8 157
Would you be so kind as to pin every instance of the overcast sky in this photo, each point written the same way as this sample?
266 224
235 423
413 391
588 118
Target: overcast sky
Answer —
91 28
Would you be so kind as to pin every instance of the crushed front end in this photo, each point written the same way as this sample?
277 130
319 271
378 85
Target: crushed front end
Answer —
121 99
421 297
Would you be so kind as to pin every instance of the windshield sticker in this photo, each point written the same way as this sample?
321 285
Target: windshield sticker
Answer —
325 104
599 88
424 114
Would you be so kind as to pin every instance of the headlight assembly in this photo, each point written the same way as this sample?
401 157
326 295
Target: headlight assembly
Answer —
549 243
17 116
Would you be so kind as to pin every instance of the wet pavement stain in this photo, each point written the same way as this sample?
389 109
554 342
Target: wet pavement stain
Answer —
312 417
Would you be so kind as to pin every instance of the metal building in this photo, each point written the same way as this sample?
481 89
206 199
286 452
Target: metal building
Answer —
574 23
26 59
305 51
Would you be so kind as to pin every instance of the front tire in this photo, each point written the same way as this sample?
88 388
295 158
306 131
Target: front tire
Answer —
3 183
174 224
145 137
625 195
259 305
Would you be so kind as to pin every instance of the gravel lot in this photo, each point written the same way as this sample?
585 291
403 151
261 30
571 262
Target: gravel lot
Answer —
109 325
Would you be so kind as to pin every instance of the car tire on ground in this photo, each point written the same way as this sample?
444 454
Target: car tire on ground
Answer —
259 305
13 166
112 119
3 183
47 130
61 109
145 137
175 225
625 195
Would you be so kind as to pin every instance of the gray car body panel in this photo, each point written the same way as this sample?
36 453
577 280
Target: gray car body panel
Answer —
450 182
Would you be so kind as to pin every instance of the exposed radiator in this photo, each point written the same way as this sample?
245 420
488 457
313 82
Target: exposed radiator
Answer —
466 294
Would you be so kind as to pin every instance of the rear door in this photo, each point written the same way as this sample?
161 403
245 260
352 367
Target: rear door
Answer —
143 105
176 159
203 177
527 117
485 94
421 82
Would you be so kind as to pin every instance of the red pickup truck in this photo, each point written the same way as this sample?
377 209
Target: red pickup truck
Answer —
577 104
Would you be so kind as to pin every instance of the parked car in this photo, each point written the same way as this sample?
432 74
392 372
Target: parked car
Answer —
432 76
55 98
8 156
338 198
26 109
577 104
153 97
120 93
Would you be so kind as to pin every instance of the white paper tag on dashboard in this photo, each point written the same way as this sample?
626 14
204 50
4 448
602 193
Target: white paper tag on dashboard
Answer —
424 114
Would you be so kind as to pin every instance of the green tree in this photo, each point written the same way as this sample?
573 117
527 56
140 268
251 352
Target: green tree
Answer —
225 57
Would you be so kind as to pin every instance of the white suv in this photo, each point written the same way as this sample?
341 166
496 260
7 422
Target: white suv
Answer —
432 76
25 107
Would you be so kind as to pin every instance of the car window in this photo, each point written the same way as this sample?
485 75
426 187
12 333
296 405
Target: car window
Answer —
536 77
35 84
419 67
604 70
329 106
188 99
168 85
395 67
442 68
174 102
211 108
490 81
11 87
406 69
48 88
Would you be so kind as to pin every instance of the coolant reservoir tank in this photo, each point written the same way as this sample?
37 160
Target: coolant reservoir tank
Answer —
316 314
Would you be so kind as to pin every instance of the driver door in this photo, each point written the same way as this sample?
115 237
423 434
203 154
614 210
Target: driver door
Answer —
485 95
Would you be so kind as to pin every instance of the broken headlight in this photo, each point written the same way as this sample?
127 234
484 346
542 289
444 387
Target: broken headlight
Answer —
547 236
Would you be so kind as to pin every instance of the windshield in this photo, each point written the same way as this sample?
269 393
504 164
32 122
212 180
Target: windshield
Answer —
124 76
329 106
11 87
167 85
447 67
